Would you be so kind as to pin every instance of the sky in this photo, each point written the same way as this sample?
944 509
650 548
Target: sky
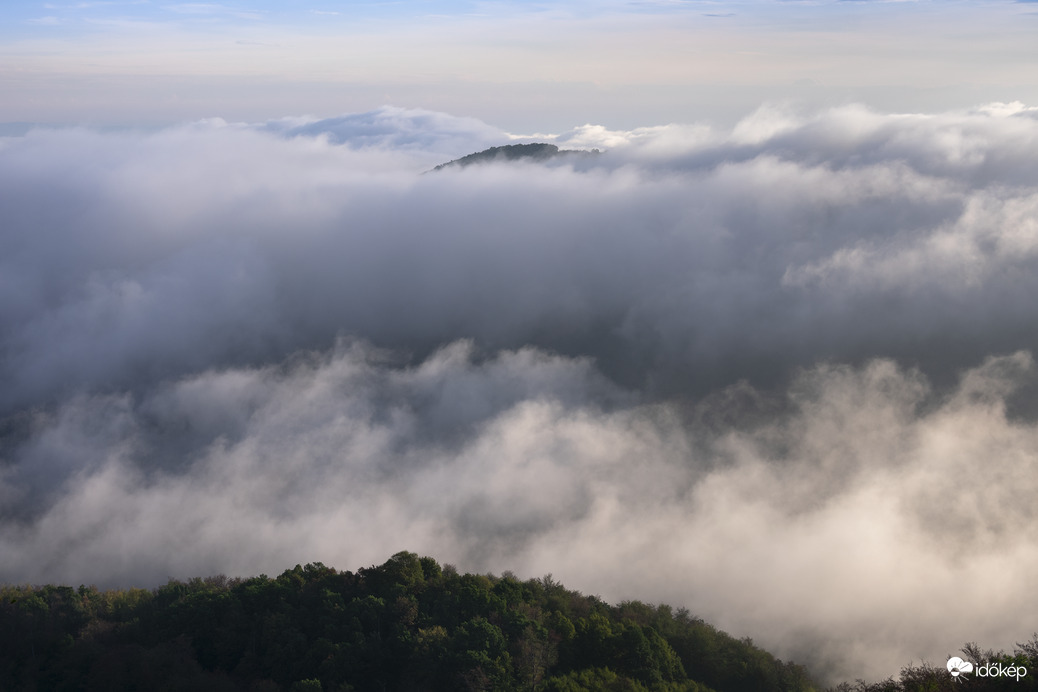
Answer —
523 66
768 356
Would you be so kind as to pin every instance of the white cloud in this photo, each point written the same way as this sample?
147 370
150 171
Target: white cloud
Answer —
417 130
834 533
735 356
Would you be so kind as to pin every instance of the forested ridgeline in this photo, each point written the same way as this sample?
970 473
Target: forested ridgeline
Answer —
408 624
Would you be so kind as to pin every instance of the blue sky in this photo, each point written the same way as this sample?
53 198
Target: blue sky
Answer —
523 66
73 17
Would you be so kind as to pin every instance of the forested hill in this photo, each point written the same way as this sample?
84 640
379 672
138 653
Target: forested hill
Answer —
538 151
408 624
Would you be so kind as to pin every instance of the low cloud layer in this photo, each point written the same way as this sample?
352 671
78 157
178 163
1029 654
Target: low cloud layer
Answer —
683 259
868 524
778 374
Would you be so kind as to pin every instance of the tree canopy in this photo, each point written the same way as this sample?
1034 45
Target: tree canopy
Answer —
408 624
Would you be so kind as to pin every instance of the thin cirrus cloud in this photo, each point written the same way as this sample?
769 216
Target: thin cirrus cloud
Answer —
786 364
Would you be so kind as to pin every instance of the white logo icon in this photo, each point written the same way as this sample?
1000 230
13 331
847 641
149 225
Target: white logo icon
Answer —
957 667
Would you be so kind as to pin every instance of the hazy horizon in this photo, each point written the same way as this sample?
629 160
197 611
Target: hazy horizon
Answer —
525 67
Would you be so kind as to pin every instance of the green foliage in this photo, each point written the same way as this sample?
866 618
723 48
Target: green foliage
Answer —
592 680
407 624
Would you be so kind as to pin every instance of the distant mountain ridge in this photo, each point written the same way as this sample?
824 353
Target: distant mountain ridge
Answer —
537 151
